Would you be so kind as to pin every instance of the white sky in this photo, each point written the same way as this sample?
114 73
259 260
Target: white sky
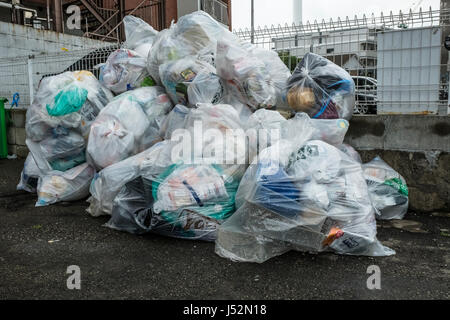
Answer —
275 12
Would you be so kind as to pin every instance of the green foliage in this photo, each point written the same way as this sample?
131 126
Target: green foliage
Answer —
288 60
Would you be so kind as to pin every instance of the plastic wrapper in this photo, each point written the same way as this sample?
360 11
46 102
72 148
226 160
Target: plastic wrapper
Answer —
330 131
387 189
139 35
248 77
312 199
129 124
183 201
108 182
29 176
57 186
125 70
70 100
321 89
190 81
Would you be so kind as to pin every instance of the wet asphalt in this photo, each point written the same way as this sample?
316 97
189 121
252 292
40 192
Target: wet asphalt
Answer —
38 244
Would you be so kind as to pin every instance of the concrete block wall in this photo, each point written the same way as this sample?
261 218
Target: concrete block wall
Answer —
417 146
16 134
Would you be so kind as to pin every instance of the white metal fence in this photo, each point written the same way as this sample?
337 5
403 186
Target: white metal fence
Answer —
398 61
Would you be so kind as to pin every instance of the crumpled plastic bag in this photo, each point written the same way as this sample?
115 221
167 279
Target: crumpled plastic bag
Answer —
321 89
57 186
184 201
125 70
351 152
189 81
248 77
387 189
29 176
64 96
62 150
129 124
194 34
330 131
311 199
175 120
108 182
139 35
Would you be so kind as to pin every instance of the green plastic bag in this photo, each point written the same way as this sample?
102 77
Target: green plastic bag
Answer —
68 100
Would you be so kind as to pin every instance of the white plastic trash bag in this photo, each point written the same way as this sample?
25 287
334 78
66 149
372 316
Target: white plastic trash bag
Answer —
139 35
129 124
108 182
72 185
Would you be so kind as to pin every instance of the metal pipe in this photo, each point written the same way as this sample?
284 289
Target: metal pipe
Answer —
19 7
58 15
48 14
253 22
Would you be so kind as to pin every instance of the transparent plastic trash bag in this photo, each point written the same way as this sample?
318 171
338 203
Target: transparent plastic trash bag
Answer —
190 81
71 100
62 150
330 131
247 76
194 34
351 152
312 199
125 70
57 186
387 189
108 182
139 35
129 124
29 176
183 201
321 89
175 120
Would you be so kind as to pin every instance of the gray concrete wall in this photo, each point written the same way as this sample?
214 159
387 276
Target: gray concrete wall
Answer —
418 147
52 53
17 40
400 132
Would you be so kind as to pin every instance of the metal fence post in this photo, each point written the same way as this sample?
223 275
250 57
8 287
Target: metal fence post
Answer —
30 77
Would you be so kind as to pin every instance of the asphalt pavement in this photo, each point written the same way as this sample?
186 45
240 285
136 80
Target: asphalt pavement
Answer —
38 245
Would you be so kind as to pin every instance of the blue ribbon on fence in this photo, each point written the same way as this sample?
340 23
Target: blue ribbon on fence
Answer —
15 100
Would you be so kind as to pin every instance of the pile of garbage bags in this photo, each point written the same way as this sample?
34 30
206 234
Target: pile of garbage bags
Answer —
192 133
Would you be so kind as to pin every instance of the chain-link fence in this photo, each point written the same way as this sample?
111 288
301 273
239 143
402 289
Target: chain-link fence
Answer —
398 62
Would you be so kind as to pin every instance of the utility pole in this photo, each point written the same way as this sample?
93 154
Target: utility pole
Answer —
253 22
